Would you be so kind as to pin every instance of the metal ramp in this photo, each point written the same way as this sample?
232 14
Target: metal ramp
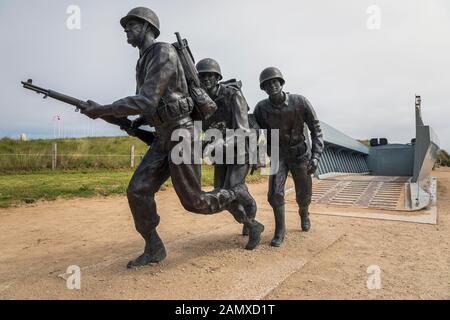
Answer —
388 177
362 191
372 197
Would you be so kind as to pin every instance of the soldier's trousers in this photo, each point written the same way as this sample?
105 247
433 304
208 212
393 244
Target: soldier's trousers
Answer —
227 176
155 168
302 181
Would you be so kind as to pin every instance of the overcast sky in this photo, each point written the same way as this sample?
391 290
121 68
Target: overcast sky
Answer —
361 81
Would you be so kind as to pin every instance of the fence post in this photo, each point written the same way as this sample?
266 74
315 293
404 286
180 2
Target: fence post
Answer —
132 156
54 156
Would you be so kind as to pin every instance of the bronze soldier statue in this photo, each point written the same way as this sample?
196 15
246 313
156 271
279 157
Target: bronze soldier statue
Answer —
232 113
289 113
163 100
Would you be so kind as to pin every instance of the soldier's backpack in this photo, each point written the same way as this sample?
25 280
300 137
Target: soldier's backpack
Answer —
251 117
253 124
237 84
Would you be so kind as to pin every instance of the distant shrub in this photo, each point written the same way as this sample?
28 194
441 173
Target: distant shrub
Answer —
443 158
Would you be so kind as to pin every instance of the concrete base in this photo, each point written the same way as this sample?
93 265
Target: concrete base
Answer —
427 215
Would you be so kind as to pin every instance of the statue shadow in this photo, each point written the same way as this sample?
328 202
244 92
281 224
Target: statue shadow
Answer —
203 247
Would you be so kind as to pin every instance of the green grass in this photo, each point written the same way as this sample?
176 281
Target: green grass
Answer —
75 153
86 167
22 188
443 158
28 188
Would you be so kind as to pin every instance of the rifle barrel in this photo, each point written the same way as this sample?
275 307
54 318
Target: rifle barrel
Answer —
52 94
64 98
123 122
180 41
34 88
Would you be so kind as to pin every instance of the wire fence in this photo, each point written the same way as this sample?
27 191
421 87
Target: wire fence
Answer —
12 162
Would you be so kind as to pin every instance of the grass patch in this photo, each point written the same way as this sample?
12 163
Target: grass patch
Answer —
30 187
74 153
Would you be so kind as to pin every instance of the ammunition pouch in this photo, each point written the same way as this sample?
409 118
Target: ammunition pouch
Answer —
167 113
298 152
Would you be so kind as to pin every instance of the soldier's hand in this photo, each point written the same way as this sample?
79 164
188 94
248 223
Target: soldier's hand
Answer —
312 165
134 126
91 109
136 123
130 131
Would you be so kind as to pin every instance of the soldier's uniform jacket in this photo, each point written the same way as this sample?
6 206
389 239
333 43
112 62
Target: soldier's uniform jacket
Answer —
232 110
290 118
162 94
232 113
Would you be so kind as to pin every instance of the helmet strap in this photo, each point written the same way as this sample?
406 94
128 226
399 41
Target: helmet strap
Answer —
215 91
142 35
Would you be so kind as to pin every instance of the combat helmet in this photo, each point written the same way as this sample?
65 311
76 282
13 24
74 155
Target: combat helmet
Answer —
269 74
209 65
145 14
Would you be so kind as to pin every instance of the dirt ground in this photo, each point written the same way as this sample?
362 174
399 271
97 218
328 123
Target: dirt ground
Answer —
206 259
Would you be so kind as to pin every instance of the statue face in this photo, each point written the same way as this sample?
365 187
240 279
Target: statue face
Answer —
133 29
209 80
273 87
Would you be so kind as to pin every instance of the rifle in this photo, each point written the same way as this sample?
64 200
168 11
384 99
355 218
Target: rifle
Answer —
124 123
188 61
204 106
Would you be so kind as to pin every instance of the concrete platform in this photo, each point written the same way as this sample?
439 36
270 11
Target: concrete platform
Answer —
370 197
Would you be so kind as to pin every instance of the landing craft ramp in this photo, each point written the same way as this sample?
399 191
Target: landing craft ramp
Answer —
368 192
380 180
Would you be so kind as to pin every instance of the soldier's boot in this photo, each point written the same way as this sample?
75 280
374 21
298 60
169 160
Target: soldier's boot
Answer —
250 210
245 231
280 226
305 223
154 251
254 237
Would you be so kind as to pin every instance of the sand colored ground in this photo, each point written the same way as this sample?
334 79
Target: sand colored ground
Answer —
206 259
